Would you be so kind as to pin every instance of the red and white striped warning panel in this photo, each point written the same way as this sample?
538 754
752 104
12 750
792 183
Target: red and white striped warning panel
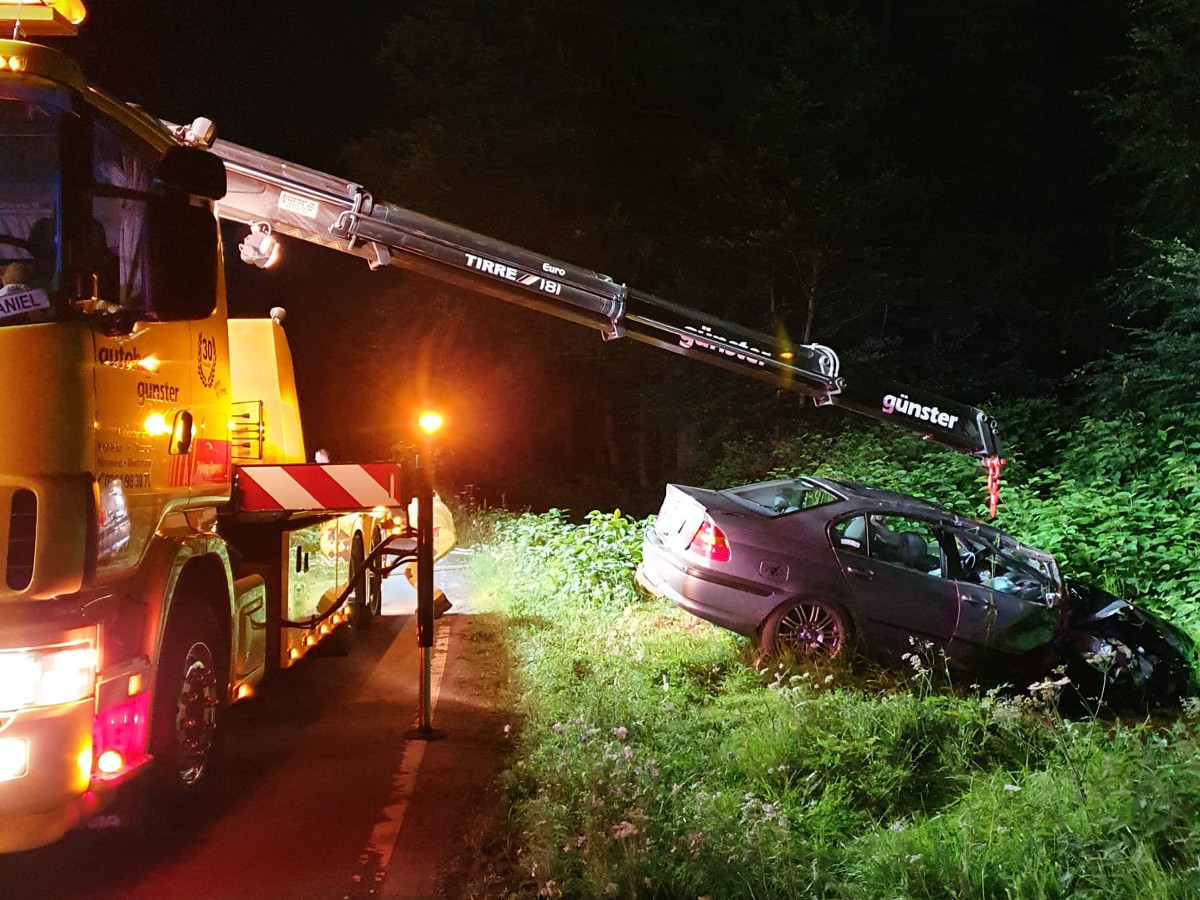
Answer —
300 487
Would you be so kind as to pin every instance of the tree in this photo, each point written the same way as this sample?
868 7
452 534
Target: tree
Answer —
1149 109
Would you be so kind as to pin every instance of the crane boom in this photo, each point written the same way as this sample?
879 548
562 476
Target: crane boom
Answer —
274 195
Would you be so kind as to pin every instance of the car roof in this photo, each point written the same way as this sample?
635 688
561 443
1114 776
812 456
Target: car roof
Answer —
853 490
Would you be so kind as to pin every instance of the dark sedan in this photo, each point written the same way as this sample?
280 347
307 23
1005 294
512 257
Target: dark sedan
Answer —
817 566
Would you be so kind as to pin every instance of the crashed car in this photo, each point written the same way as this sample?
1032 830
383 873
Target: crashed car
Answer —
823 567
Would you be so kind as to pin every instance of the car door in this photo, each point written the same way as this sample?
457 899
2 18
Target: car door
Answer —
1006 610
896 596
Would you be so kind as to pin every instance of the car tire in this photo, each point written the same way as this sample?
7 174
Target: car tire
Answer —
807 627
188 702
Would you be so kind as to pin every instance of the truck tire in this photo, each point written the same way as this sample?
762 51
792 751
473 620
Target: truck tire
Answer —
188 697
375 580
341 642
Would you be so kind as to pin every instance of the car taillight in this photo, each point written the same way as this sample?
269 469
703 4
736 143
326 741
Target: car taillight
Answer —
710 542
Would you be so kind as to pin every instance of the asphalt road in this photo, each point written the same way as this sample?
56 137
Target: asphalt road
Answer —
323 792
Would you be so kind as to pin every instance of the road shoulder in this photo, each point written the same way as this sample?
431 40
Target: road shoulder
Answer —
447 842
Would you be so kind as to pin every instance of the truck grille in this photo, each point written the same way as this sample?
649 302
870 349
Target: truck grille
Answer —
22 533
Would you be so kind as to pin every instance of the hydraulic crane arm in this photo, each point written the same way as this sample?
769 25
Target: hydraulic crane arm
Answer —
273 196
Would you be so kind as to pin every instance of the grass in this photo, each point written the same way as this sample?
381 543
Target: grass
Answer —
658 756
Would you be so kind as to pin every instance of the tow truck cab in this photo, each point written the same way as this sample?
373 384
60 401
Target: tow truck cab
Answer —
113 433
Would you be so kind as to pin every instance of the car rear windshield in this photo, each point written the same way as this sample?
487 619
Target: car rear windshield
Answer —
776 498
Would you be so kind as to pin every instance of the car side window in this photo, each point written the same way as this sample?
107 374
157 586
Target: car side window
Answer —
906 541
900 540
981 562
851 534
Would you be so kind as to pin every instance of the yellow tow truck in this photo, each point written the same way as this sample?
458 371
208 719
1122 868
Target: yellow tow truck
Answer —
156 557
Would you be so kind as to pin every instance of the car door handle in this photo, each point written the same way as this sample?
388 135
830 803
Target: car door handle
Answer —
865 574
977 601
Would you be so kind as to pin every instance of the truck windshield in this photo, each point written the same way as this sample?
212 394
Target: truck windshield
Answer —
30 201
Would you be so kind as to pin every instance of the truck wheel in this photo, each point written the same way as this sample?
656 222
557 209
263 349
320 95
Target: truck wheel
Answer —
341 642
375 582
188 695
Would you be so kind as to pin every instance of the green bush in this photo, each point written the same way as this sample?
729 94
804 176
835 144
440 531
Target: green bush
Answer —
589 562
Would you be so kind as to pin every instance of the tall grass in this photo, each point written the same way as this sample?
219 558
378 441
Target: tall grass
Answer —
660 757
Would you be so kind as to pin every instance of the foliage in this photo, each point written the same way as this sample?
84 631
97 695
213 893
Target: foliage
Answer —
1148 111
1153 372
1121 509
1148 108
658 758
589 562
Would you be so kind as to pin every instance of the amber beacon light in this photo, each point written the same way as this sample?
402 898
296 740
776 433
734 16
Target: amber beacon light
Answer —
430 422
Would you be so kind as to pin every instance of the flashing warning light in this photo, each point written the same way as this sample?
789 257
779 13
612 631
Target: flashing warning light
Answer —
43 17
430 421
710 542
83 762
120 733
110 761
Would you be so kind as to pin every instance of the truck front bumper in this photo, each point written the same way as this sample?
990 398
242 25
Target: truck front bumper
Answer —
51 796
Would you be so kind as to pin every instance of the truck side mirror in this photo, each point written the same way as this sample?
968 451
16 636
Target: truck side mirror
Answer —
181 255
190 170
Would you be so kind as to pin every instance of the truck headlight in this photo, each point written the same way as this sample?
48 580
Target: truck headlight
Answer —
46 676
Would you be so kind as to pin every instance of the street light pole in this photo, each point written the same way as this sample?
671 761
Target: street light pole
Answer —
425 591
430 423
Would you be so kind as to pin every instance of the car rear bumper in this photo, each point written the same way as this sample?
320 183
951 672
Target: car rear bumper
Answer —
729 602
